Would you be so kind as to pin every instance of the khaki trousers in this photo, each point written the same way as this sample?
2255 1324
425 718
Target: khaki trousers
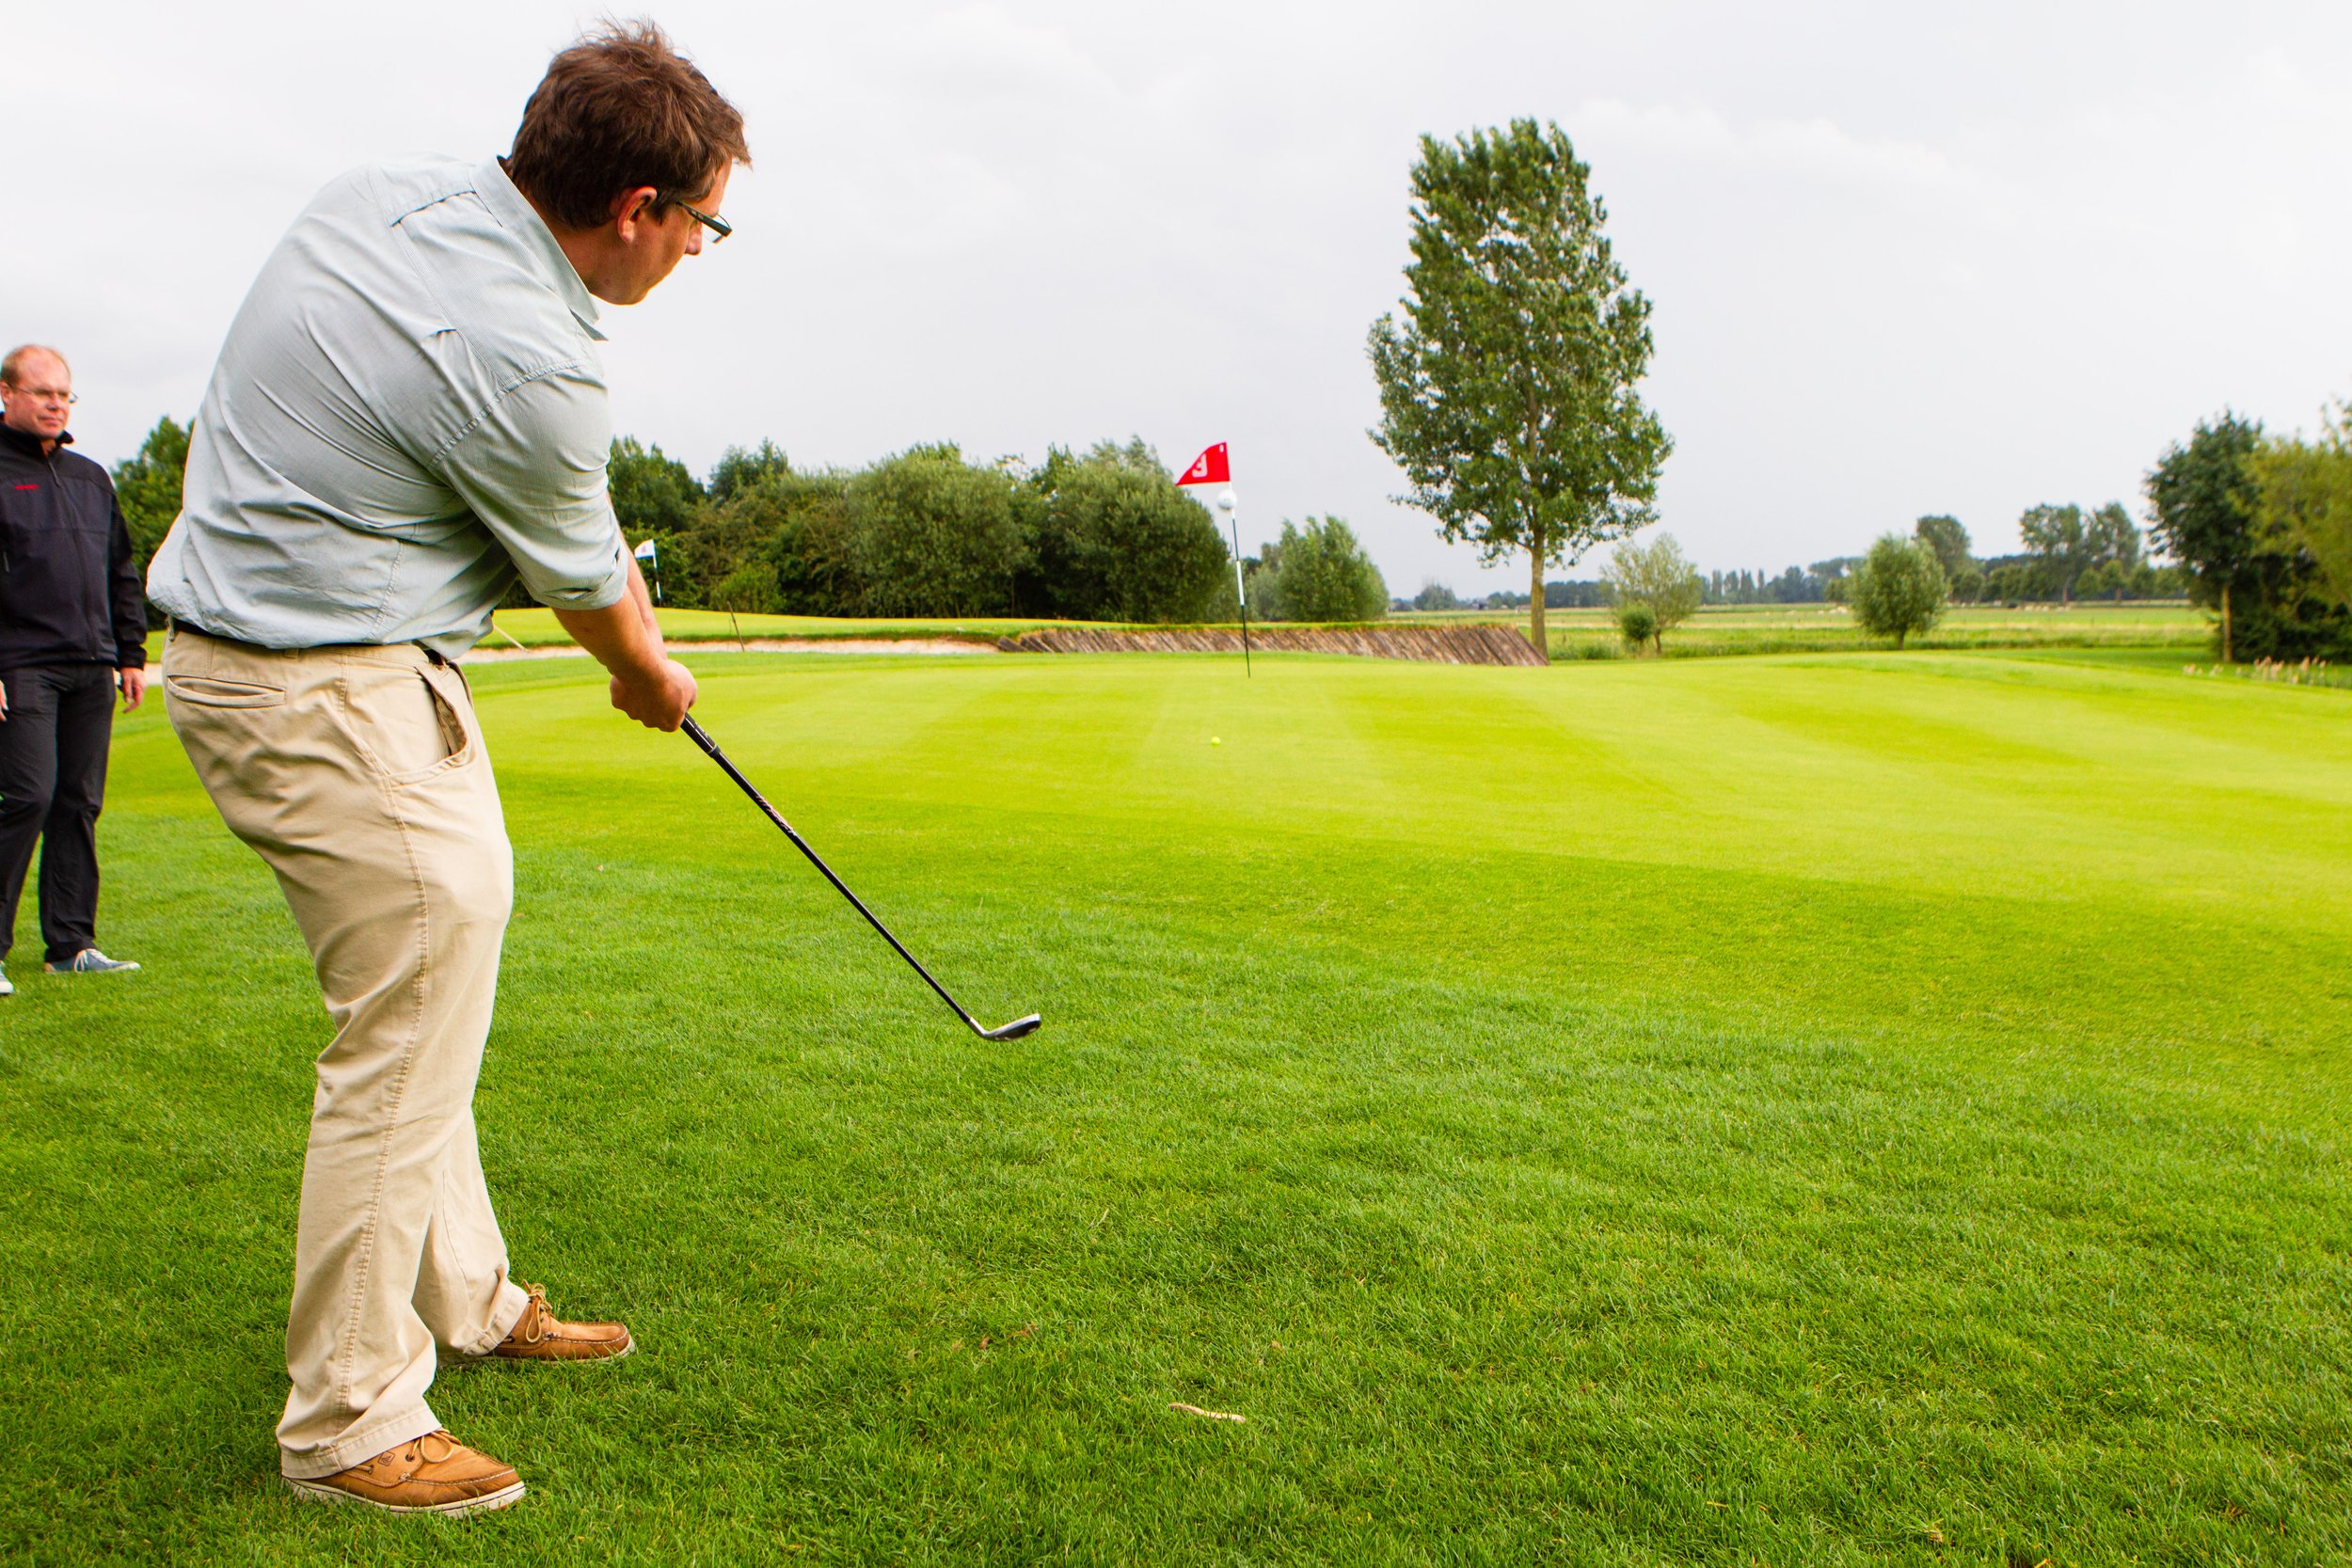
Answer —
358 774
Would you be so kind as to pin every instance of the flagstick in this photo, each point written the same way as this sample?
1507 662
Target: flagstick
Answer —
650 554
1242 589
1241 586
1213 466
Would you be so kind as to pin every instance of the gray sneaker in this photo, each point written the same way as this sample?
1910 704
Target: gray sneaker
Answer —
89 960
6 989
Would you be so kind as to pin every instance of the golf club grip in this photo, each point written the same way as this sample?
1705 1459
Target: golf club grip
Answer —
695 733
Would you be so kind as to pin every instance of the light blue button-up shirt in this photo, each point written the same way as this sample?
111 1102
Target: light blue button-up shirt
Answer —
410 408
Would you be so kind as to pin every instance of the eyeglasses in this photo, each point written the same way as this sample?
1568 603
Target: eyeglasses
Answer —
719 226
45 394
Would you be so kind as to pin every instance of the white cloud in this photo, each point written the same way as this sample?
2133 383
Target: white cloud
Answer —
1814 149
982 49
1902 261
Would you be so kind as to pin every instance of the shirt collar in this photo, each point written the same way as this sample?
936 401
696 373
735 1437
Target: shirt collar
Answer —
515 213
26 442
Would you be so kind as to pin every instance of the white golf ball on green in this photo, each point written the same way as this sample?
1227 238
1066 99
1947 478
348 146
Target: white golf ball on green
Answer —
1216 740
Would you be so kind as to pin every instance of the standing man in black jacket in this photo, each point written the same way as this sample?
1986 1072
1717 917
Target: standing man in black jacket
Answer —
72 632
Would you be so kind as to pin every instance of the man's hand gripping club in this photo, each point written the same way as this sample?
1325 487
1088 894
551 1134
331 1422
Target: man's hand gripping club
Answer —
647 684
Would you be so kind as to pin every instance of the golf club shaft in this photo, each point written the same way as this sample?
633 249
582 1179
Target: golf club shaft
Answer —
694 733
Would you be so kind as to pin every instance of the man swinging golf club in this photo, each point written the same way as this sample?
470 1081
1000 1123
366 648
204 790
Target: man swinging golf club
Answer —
409 409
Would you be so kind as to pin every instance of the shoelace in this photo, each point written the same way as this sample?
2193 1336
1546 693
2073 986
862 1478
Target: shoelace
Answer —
415 1454
535 1315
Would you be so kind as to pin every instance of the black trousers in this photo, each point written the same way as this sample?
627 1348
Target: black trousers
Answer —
53 777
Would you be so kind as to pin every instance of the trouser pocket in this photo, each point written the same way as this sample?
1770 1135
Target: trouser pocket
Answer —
213 691
409 721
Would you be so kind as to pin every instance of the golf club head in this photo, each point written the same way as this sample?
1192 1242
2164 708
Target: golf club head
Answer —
1014 1030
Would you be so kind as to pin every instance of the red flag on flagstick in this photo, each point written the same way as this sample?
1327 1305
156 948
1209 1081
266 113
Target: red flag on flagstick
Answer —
1209 468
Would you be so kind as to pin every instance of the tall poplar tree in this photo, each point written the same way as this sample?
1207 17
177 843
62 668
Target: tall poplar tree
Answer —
1508 393
2055 537
1948 539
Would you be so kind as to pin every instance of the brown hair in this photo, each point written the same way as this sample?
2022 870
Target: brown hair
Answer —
617 110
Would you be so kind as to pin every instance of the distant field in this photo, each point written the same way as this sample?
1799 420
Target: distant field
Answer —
1865 1108
1574 633
1725 629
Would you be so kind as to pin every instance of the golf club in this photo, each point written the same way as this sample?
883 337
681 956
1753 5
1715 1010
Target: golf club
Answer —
1012 1031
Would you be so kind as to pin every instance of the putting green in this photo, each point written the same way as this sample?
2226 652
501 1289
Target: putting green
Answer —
1832 1109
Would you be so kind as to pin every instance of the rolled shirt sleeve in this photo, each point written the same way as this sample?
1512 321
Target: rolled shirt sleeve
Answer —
532 468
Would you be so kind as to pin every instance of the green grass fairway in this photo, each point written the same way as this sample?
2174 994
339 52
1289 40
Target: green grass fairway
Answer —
1790 1110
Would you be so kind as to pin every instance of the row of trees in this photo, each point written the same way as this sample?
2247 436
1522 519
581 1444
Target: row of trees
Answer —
1796 585
1104 535
1572 593
2260 528
1101 535
1894 590
2070 552
1898 589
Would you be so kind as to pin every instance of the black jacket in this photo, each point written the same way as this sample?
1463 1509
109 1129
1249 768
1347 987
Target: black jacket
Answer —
68 592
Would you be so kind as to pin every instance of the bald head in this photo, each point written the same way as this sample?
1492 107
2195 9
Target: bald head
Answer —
36 392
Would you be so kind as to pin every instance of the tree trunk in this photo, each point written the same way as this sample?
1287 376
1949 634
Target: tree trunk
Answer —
1536 597
2225 623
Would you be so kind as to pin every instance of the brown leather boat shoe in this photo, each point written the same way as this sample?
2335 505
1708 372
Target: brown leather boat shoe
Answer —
433 1474
539 1335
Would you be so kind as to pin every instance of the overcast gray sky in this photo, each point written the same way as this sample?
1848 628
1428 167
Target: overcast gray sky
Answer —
1904 259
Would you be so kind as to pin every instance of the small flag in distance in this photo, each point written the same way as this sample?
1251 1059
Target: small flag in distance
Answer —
645 551
1210 468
